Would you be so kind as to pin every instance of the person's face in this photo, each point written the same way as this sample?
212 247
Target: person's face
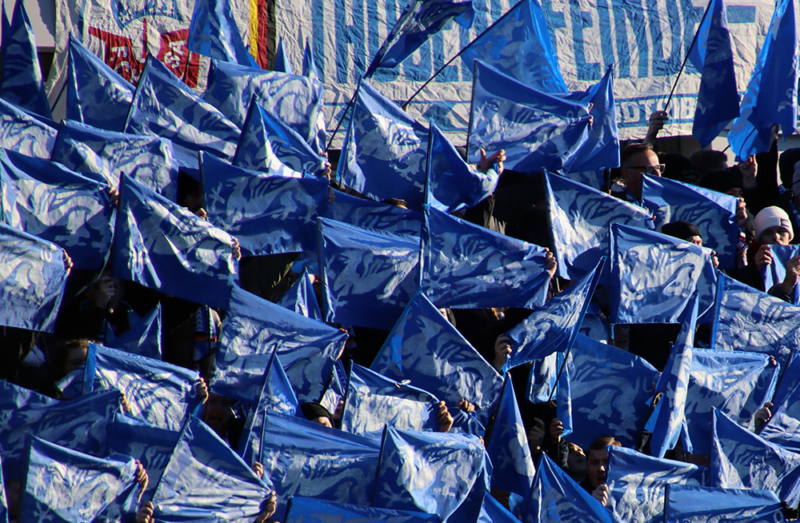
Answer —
597 467
323 420
774 236
646 161
75 358
218 413
697 240
735 192
576 461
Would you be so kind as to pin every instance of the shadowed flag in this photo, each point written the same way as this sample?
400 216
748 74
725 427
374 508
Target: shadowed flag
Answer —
302 510
21 132
282 63
309 66
370 214
213 32
302 298
143 338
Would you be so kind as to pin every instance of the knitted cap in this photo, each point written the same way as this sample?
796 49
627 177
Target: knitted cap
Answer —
773 217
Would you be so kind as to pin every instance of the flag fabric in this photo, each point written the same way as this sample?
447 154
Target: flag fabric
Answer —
712 212
269 145
493 512
420 20
425 349
741 459
610 391
206 479
507 446
670 414
143 338
302 298
21 132
166 107
163 246
385 150
32 280
789 379
601 148
554 326
373 401
21 82
3 501
469 266
96 94
267 214
370 214
536 130
775 272
302 509
736 383
213 32
309 65
443 474
519 45
654 276
368 276
282 63
450 183
782 427
771 95
691 504
147 159
580 218
556 497
253 329
637 483
48 200
746 319
300 456
64 485
718 98
297 101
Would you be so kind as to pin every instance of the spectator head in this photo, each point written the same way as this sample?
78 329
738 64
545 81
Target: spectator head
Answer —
786 165
707 161
636 159
218 413
796 181
397 202
597 460
678 167
683 231
773 227
70 355
317 413
576 462
726 181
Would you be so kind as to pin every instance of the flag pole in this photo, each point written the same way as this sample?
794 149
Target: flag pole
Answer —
688 52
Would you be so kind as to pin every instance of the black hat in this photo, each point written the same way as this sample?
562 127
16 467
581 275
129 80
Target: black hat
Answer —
680 229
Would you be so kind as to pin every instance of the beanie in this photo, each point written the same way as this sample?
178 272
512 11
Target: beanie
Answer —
772 217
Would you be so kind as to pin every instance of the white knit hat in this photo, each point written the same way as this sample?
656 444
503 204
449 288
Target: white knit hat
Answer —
773 217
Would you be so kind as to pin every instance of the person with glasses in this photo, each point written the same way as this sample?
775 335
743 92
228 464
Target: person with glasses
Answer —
636 159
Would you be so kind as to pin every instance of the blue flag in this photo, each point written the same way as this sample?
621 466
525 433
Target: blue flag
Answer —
554 326
253 329
654 276
493 512
309 65
537 130
736 383
213 32
442 474
54 203
268 145
370 214
166 107
580 218
206 479
610 391
96 94
741 459
690 504
771 95
556 497
21 81
712 212
774 273
166 247
282 63
303 457
32 280
718 98
384 152
747 319
297 101
267 214
424 348
469 266
669 415
302 298
21 132
782 427
3 501
788 380
373 401
420 20
519 45
368 276
78 424
143 338
637 483
309 509
147 159
63 485
507 446
451 184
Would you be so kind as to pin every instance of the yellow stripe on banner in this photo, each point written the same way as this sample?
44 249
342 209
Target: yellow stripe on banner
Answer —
254 50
